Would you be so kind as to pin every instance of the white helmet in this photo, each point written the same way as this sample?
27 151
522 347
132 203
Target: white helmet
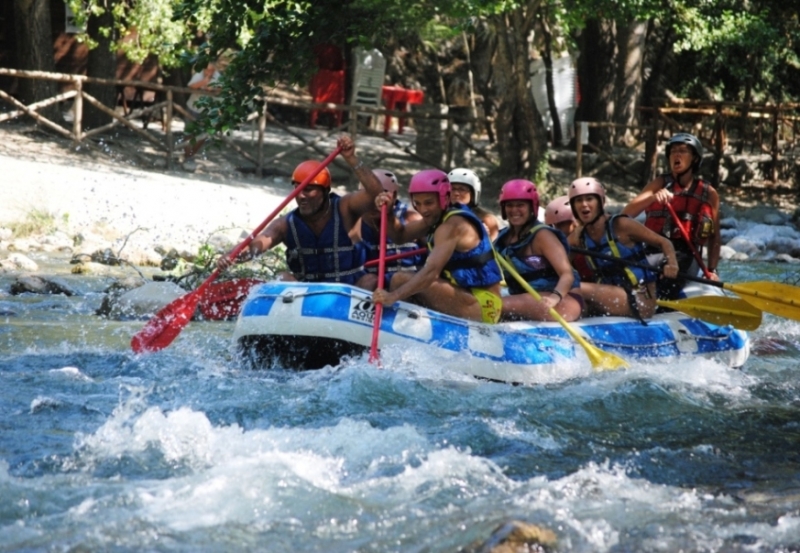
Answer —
461 175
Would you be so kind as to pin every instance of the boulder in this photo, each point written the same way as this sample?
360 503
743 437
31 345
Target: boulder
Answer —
19 262
145 301
115 290
40 285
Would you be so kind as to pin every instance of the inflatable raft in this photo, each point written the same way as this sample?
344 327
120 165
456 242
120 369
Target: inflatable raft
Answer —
301 326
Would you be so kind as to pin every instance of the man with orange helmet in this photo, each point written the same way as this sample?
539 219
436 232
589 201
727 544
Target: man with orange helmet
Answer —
318 247
695 202
618 289
461 276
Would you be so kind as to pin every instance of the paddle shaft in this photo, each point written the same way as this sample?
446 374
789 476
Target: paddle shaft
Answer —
688 240
376 323
396 256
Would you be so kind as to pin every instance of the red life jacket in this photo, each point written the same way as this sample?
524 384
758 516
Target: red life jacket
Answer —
692 207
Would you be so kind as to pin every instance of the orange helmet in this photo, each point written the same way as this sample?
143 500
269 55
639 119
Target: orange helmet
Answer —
302 172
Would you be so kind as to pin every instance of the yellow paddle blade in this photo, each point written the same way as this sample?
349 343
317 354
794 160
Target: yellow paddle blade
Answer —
718 310
601 360
773 297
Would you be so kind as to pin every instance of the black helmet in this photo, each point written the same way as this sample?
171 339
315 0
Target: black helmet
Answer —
691 140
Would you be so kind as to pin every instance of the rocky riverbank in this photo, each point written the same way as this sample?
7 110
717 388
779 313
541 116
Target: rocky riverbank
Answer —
80 209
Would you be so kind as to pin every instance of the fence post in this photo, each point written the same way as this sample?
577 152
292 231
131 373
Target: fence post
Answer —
170 140
774 148
262 124
77 109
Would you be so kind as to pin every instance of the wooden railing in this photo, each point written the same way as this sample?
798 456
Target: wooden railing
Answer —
168 108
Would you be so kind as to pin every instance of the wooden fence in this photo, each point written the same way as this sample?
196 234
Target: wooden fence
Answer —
168 107
725 128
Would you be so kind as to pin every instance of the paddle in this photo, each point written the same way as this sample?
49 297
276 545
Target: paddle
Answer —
600 359
779 299
396 256
162 329
376 323
223 300
688 240
719 310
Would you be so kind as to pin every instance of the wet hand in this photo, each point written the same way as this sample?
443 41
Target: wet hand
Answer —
551 300
223 263
670 270
383 297
663 196
345 142
384 198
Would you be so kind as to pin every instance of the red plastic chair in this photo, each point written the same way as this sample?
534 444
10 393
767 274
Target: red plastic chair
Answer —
328 84
327 87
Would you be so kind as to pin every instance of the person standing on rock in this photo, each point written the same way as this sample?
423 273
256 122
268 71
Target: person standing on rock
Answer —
461 276
318 247
696 204
466 190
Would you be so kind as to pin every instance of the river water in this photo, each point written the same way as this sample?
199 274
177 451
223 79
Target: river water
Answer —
185 450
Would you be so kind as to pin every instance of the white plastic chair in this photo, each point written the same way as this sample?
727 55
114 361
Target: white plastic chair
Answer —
369 68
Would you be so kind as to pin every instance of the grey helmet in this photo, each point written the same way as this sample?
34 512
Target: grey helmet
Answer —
690 140
461 175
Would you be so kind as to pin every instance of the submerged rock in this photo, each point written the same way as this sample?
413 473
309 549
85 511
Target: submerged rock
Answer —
516 536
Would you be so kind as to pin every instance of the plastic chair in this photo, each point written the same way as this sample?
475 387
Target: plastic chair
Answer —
368 70
327 87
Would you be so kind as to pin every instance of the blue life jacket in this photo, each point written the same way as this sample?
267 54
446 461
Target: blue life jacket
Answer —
476 268
612 272
542 278
331 257
371 242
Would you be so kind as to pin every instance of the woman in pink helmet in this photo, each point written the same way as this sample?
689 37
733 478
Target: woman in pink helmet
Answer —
461 276
558 214
540 258
618 289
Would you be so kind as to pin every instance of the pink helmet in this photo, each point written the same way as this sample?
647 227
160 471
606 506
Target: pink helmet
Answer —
584 186
558 211
519 189
431 181
387 179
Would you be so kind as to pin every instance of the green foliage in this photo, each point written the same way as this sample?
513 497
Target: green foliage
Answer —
145 27
37 222
731 44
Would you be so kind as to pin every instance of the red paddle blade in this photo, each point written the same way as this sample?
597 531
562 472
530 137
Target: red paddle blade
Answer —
223 300
162 329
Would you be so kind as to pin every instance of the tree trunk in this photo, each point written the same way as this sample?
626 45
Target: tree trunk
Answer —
102 63
597 73
521 136
35 52
630 44
547 57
